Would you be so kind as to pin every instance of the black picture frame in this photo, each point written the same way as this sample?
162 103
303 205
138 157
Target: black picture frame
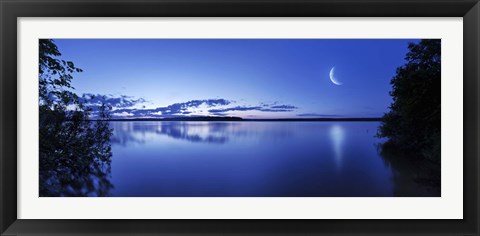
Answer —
10 10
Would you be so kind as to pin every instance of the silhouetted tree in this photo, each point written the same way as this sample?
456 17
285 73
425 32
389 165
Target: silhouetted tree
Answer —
74 152
412 125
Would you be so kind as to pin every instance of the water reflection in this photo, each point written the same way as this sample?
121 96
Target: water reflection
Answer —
411 177
337 136
212 133
197 132
251 159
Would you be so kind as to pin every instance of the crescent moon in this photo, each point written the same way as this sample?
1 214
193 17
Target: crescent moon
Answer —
332 77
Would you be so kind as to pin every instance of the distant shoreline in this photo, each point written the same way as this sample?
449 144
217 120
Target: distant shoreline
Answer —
246 120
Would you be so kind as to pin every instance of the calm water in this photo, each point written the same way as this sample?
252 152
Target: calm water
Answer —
248 159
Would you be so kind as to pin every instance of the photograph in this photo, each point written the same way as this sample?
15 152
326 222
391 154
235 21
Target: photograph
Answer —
239 117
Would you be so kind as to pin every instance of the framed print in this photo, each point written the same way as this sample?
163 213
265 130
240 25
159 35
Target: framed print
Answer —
268 117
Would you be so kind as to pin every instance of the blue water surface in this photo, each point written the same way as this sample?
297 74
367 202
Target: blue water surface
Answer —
248 159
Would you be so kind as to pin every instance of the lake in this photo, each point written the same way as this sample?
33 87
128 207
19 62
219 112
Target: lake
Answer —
250 159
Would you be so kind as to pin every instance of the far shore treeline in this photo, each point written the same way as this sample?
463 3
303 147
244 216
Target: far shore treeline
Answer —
233 118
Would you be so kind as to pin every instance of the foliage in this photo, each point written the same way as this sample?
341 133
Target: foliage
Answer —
74 151
412 125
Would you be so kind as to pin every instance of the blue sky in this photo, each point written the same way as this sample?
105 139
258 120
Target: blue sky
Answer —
250 78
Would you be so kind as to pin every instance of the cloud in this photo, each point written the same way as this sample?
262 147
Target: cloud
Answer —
176 109
276 110
286 107
129 107
237 108
122 114
182 107
317 115
263 108
95 100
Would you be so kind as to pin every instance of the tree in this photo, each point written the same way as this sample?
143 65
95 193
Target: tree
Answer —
74 151
412 125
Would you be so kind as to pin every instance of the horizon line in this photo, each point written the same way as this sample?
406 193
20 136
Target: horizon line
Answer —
213 118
